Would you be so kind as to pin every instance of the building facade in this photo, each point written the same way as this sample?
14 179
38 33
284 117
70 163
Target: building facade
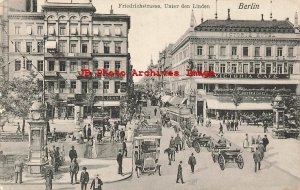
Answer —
258 57
61 41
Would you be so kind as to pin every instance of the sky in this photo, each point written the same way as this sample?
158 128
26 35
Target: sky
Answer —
153 29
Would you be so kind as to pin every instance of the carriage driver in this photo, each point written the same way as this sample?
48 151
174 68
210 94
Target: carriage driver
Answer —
195 132
222 141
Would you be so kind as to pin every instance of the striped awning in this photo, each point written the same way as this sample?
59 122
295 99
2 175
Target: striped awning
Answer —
217 105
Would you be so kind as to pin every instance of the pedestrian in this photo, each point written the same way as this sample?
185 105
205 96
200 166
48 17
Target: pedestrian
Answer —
155 111
124 148
257 159
18 170
265 141
236 124
84 178
261 149
178 143
99 135
112 135
72 153
122 134
18 128
179 173
265 127
252 140
192 162
54 135
198 119
258 139
96 183
120 161
246 142
48 177
231 125
74 169
221 129
227 125
183 141
84 132
89 132
89 148
48 127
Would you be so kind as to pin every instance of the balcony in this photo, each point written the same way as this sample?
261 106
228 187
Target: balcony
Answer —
51 73
70 55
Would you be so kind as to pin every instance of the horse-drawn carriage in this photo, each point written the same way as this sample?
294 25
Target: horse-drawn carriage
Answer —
147 149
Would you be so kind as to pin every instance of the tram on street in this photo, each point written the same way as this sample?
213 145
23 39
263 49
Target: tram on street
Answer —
146 142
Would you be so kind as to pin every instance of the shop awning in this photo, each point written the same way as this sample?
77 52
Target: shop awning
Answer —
175 101
107 103
50 45
184 101
66 76
245 81
217 105
166 98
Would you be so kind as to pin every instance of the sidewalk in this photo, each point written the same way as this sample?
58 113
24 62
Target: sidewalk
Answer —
282 153
107 170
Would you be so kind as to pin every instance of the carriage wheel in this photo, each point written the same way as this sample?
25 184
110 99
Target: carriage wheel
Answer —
221 161
213 157
209 146
197 147
240 161
189 143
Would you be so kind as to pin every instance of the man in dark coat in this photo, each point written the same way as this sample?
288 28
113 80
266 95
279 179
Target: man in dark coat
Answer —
231 125
265 142
192 162
179 173
236 124
72 154
84 178
74 169
120 160
18 170
257 159
261 149
96 183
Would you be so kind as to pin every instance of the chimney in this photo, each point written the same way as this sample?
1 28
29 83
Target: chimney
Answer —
201 20
111 10
228 14
296 20
262 17
287 19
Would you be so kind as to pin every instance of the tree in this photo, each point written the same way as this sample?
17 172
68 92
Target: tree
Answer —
237 99
17 99
90 99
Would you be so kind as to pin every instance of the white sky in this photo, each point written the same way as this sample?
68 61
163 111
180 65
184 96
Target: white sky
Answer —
152 29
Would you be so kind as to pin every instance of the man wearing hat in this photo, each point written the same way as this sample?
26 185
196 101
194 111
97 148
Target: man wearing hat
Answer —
257 159
74 168
179 173
192 162
96 183
18 170
72 154
84 178
120 161
261 149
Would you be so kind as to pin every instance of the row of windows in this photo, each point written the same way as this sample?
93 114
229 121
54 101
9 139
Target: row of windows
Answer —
62 47
63 66
83 30
62 30
245 51
246 68
84 86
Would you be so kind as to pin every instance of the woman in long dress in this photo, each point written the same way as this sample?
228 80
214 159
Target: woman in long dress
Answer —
94 151
246 142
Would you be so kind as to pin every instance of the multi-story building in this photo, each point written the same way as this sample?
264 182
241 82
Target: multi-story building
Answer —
258 57
62 40
164 64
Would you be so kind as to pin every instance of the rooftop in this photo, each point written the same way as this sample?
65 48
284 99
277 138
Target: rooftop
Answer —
282 26
81 6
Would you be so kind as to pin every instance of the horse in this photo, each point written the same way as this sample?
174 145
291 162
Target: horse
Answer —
171 154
